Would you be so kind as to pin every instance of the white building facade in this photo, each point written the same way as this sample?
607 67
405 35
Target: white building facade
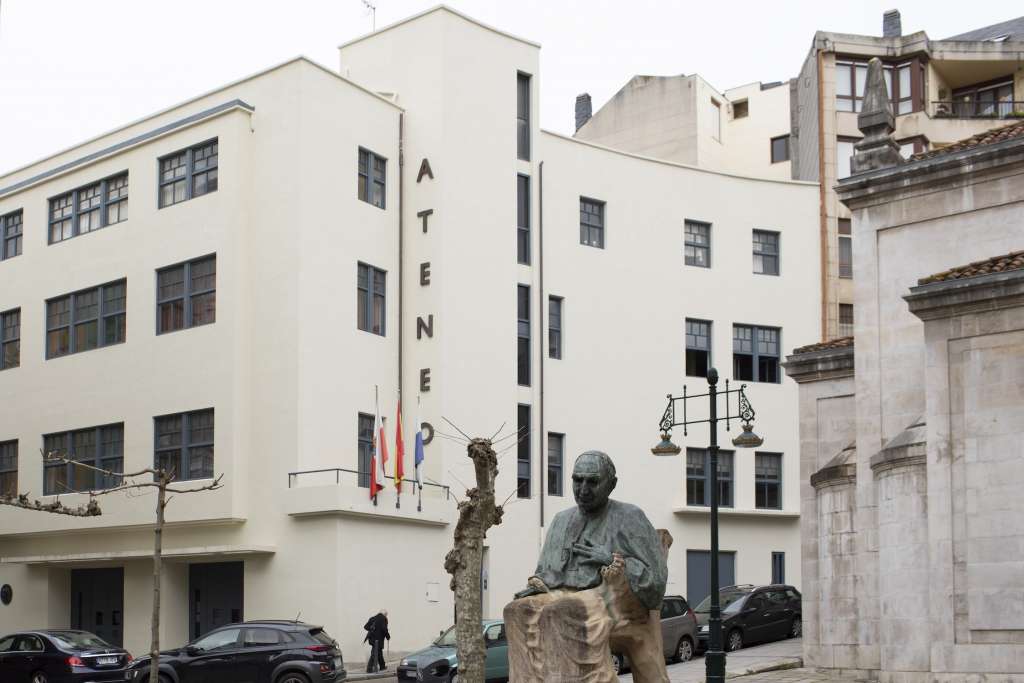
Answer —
301 237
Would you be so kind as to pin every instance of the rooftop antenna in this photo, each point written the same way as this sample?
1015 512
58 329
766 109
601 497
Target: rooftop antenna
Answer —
373 12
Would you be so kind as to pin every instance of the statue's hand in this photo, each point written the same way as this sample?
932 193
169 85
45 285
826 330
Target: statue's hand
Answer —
534 586
589 554
615 570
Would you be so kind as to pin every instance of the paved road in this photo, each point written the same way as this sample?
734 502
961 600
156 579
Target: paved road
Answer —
752 657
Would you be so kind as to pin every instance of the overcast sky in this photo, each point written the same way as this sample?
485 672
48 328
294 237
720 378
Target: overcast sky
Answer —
71 69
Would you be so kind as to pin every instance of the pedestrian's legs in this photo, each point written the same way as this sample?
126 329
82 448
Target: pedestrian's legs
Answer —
380 655
371 664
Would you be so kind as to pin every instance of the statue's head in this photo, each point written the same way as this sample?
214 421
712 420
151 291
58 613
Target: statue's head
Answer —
593 479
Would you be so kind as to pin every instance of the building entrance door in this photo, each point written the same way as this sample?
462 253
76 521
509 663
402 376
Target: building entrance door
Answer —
97 602
215 596
698 573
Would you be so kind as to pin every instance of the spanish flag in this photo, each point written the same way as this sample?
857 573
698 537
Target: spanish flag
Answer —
399 449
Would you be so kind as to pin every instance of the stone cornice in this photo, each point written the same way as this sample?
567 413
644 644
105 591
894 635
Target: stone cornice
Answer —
820 365
901 456
977 294
836 475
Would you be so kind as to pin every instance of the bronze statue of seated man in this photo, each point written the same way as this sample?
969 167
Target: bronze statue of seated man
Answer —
599 582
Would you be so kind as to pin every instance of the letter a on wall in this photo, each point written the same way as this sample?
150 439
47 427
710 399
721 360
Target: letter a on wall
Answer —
425 170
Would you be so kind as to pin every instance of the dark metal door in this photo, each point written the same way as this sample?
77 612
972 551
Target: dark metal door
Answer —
698 573
215 596
97 602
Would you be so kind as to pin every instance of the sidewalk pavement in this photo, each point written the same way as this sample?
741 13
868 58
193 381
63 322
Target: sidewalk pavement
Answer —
784 654
357 668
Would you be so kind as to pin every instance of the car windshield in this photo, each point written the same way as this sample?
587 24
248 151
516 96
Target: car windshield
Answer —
447 639
79 640
730 601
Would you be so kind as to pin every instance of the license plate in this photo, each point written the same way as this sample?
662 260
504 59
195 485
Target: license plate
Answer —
106 661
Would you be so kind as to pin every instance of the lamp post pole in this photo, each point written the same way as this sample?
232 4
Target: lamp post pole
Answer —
714 660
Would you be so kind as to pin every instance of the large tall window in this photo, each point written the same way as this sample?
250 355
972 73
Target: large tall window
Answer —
523 219
715 119
592 222
768 481
186 295
188 173
364 449
184 444
766 252
99 447
89 208
524 464
901 81
698 477
845 248
523 116
755 353
523 335
778 567
556 458
10 235
86 320
698 244
845 320
371 294
554 327
373 174
10 339
698 347
8 468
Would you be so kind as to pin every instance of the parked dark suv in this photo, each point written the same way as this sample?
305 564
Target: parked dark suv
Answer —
258 651
60 656
752 614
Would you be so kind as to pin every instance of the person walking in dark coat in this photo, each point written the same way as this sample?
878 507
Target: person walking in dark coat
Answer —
376 633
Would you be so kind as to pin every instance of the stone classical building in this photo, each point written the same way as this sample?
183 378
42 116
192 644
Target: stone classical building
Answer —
911 458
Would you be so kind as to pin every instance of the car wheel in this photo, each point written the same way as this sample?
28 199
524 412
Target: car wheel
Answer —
796 628
293 677
734 641
684 650
39 677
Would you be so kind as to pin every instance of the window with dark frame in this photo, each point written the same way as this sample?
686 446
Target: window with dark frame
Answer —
755 353
592 222
524 465
698 477
993 99
778 568
523 219
556 456
99 447
766 252
88 208
186 295
188 173
9 468
184 444
768 481
780 149
10 235
523 335
371 299
697 244
85 320
845 248
523 116
10 339
845 320
554 327
373 174
364 449
901 80
698 347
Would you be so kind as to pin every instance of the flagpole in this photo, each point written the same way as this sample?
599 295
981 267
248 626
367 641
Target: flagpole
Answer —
376 454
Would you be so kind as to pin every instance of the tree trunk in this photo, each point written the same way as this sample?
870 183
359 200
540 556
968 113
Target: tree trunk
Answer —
158 533
464 561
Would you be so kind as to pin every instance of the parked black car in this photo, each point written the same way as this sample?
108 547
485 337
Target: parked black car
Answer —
752 614
253 652
57 656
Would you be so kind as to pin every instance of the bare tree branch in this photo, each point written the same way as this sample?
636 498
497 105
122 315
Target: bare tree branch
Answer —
90 509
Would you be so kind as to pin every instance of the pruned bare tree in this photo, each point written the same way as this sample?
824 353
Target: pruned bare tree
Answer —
160 480
477 514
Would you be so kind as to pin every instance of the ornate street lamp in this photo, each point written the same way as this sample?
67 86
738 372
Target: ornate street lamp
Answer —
714 660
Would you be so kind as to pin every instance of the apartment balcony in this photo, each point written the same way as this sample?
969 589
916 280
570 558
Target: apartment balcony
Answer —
977 110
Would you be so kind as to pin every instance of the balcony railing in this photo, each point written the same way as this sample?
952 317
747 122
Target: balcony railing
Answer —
362 479
978 110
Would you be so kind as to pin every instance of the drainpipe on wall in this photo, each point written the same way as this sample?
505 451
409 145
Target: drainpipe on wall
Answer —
822 196
540 266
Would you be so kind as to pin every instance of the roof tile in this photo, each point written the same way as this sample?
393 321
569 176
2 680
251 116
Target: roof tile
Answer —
840 343
989 137
997 264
